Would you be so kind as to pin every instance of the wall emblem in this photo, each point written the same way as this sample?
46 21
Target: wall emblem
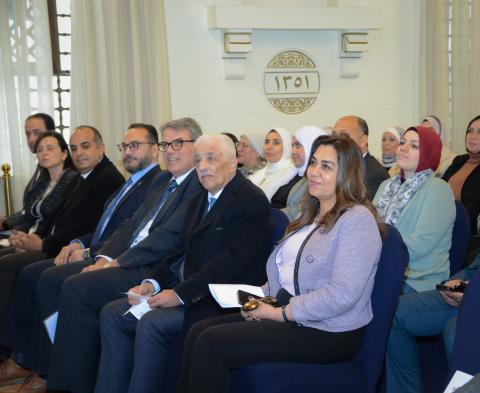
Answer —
291 82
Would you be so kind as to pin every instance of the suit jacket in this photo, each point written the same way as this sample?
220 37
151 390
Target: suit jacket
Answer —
34 186
375 173
470 195
49 206
125 208
82 209
228 245
164 233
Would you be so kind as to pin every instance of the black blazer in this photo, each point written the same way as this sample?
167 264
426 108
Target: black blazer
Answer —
229 245
125 209
49 206
34 187
470 195
163 234
375 174
82 209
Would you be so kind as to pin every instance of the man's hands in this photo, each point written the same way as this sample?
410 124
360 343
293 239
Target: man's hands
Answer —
25 241
141 290
101 263
68 254
164 299
452 298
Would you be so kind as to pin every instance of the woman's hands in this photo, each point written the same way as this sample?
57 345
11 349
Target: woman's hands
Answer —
266 312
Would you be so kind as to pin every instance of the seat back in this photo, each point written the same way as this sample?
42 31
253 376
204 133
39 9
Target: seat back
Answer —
460 238
466 349
279 222
386 290
362 373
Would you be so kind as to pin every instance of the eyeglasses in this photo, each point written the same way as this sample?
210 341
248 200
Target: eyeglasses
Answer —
176 144
133 146
242 145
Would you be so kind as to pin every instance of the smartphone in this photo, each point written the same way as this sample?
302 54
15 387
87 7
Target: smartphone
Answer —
457 288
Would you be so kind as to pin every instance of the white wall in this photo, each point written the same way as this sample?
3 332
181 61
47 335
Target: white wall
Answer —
385 93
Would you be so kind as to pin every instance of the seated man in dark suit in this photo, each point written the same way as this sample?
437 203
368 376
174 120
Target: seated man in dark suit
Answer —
131 253
227 241
77 216
357 129
140 158
34 126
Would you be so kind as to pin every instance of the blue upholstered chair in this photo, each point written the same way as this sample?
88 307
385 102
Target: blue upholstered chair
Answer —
279 225
466 350
362 373
460 238
433 362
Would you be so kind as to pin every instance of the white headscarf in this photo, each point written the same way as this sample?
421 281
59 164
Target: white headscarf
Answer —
256 140
396 131
306 135
437 125
276 174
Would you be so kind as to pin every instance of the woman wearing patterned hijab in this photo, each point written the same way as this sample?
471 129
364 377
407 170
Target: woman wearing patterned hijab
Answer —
447 155
390 141
421 207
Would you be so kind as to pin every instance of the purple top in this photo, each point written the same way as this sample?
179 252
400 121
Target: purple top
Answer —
335 275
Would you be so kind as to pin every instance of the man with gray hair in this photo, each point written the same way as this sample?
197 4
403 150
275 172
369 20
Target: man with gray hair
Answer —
227 241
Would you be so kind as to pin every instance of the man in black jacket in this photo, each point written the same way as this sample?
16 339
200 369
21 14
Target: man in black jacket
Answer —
78 215
357 129
227 241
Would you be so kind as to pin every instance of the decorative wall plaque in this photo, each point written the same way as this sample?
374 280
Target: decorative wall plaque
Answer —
291 82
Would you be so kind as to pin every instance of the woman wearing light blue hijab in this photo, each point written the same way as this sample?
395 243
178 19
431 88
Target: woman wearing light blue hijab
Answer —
302 141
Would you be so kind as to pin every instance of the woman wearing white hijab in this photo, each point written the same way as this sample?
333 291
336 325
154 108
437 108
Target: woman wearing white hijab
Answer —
302 141
447 156
279 169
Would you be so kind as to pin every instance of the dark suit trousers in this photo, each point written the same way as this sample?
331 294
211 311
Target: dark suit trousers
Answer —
215 346
35 285
75 354
135 353
10 267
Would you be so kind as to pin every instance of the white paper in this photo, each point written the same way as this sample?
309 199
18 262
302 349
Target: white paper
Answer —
4 243
51 325
137 310
458 380
226 295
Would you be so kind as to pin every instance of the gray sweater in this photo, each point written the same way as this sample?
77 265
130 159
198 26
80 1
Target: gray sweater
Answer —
335 274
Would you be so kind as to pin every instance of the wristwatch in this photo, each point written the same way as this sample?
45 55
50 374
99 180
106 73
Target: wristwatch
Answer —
86 253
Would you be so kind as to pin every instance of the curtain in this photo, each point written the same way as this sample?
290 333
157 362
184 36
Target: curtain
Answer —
450 88
465 68
25 82
119 66
434 60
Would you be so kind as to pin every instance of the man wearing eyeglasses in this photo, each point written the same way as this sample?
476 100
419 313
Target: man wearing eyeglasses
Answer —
35 125
129 255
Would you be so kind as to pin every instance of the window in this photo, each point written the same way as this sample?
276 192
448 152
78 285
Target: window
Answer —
60 30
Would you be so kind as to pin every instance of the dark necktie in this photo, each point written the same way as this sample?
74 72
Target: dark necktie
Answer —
108 212
171 187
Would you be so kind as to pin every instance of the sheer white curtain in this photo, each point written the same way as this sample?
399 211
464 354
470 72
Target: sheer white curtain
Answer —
119 66
460 104
465 68
25 82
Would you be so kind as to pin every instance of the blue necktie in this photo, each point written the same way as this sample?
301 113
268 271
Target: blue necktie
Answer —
108 212
171 187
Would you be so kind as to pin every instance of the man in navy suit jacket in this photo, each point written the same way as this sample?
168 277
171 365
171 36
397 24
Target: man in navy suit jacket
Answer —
226 240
